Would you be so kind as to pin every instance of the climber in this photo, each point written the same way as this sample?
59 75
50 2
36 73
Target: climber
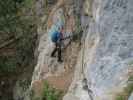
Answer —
56 36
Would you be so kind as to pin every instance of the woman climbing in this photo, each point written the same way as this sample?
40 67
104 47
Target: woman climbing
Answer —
56 33
56 37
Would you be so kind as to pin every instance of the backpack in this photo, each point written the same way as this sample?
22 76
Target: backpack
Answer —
54 33
55 36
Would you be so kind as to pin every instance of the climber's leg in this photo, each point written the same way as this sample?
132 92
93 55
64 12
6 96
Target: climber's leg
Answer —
59 53
54 51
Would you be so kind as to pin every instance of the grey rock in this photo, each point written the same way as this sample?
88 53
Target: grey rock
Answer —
131 97
112 46
105 55
108 49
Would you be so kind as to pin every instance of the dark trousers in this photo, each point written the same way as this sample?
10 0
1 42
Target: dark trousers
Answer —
57 49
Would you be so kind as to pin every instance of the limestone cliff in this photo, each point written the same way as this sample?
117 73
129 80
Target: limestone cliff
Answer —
100 66
108 54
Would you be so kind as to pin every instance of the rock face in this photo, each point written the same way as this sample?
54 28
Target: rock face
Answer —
108 52
59 75
105 60
113 37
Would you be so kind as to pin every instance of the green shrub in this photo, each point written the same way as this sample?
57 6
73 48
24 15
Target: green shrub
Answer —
7 64
78 31
50 93
120 97
15 23
29 3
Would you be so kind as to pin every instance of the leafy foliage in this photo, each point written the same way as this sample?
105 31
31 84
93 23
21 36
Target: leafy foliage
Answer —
9 62
78 30
50 93
8 17
16 23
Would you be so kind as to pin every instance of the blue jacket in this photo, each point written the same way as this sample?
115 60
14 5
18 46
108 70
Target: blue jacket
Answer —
54 32
55 36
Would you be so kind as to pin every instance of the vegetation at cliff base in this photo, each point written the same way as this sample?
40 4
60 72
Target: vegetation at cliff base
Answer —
17 35
50 93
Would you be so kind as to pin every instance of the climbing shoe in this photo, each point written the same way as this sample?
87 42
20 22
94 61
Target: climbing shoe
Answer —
60 60
53 56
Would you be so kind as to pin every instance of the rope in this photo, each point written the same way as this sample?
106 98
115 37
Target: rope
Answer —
84 27
83 51
90 93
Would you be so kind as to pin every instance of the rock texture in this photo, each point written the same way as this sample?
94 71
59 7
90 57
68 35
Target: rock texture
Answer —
108 49
58 75
113 37
105 60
